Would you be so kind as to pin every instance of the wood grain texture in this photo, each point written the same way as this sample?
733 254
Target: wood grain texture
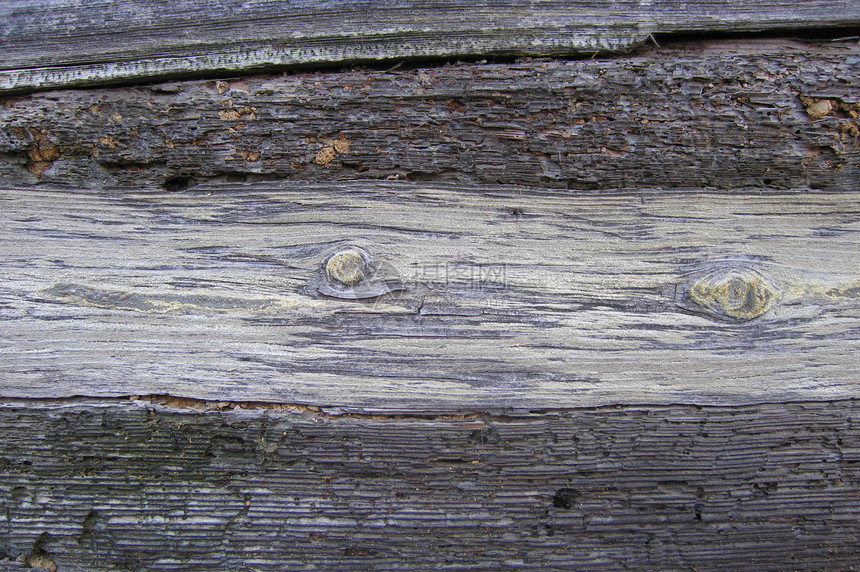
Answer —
721 115
134 40
106 485
223 366
499 298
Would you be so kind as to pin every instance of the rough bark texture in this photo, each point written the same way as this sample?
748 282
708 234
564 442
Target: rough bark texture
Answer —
58 43
90 485
724 115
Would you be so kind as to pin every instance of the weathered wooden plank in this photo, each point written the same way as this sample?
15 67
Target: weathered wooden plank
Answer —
724 115
103 485
497 297
133 40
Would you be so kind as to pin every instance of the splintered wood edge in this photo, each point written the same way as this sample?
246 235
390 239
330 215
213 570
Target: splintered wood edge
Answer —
240 39
245 59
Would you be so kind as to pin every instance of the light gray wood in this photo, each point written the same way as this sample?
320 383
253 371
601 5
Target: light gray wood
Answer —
92 485
723 115
499 297
51 43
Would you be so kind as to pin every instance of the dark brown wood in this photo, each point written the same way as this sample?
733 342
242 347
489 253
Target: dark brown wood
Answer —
725 115
161 484
57 43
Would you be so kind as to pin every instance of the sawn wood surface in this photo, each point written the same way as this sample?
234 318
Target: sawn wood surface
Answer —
486 297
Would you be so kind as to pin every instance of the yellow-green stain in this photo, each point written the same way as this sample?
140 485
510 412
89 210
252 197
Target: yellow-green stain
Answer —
738 294
347 267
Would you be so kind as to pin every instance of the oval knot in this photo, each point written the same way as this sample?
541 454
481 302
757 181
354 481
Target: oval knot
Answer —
737 293
351 274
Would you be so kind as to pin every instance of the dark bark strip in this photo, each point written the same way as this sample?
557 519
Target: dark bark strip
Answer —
765 114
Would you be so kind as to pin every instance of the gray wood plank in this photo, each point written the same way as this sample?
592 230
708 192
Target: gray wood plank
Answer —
723 115
94 485
497 297
50 43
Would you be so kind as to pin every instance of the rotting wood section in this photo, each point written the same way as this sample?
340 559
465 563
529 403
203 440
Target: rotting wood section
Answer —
128 40
479 297
98 485
723 115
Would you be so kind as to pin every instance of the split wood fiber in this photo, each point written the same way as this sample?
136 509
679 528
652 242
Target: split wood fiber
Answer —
58 43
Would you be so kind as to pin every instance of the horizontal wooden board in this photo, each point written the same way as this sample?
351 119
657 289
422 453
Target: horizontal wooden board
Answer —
722 115
129 40
492 297
105 485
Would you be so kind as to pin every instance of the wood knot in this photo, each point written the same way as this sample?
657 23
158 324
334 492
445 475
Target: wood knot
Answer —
351 274
739 294
347 267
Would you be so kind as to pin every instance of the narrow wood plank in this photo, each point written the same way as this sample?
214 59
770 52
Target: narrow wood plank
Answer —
104 41
496 297
722 115
91 486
